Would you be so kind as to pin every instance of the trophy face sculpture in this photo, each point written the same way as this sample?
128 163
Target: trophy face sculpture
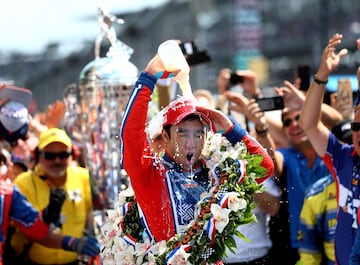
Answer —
104 85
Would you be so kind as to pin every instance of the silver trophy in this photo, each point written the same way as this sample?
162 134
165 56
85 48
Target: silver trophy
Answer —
105 85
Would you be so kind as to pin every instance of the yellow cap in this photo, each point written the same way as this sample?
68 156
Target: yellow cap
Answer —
53 135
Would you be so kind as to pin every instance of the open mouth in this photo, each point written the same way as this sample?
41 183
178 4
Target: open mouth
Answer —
189 156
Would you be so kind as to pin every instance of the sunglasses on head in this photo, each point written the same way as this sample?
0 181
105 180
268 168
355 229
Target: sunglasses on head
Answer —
54 155
288 122
355 126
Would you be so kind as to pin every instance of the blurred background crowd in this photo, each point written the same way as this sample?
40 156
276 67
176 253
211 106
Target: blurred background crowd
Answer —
271 37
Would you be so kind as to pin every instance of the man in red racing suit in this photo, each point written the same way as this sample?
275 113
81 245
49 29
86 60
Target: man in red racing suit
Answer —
168 189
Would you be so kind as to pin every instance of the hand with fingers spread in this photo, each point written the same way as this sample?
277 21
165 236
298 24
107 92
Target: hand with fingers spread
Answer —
293 97
330 59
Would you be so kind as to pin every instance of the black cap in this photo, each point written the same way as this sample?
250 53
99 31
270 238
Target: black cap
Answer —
342 130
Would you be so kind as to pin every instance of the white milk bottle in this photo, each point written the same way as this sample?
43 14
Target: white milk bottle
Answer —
174 59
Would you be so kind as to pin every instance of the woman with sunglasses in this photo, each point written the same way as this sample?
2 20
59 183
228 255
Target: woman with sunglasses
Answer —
54 174
342 159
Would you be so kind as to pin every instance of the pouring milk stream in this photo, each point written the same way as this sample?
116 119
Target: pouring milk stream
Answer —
174 59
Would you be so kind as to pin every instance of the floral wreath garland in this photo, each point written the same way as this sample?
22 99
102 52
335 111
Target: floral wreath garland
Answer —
227 205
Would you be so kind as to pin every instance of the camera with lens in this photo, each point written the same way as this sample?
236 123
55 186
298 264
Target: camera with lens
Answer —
192 54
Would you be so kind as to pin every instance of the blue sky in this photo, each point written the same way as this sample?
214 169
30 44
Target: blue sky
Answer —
28 26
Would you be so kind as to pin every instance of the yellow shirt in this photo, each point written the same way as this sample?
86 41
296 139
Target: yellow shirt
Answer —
318 222
73 212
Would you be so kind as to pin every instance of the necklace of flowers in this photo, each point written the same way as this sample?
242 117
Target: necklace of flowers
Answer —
219 212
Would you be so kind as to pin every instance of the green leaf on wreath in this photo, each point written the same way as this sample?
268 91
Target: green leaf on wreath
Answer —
230 243
242 236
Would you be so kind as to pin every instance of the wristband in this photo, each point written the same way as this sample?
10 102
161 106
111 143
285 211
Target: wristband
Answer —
263 132
163 74
319 82
67 243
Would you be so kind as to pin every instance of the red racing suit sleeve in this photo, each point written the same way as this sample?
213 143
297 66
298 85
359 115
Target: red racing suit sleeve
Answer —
146 179
135 147
26 217
237 134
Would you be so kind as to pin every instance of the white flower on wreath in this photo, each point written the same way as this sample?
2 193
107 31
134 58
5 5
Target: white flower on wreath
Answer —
159 247
141 250
124 258
150 258
120 246
221 216
234 202
110 231
107 257
179 257
115 217
217 148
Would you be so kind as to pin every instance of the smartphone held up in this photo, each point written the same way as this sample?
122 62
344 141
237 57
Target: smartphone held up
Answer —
236 79
271 103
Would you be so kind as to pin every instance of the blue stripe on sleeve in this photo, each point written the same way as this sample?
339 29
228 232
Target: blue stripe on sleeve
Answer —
236 134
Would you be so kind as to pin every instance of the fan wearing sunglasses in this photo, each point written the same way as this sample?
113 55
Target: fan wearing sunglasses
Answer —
296 168
68 188
342 159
